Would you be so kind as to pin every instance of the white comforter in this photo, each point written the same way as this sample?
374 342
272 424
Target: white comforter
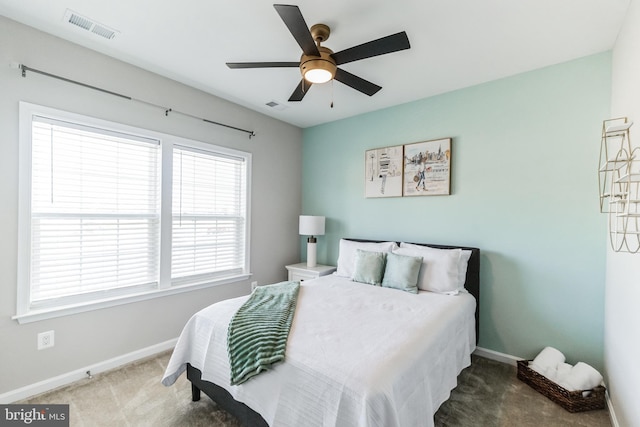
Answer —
357 355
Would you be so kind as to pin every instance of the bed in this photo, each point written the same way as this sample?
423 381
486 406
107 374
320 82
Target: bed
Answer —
357 355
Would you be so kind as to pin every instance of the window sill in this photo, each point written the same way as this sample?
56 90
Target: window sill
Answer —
49 313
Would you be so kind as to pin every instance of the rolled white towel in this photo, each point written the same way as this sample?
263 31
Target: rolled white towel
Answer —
581 377
557 374
547 361
563 370
562 374
549 373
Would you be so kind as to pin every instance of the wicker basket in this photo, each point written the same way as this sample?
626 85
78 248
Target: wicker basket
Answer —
572 401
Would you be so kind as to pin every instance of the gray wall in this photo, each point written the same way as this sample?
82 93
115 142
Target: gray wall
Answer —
89 338
622 315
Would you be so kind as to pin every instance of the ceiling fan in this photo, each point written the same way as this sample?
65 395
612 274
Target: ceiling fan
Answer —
319 64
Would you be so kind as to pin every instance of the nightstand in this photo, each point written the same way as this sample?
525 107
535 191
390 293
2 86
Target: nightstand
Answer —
300 272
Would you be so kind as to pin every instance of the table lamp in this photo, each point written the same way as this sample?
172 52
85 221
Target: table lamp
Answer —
311 226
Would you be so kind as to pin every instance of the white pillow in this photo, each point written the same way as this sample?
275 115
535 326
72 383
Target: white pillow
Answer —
443 270
347 254
462 267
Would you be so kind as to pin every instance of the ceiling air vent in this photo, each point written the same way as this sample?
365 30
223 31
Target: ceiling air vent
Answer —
275 105
88 24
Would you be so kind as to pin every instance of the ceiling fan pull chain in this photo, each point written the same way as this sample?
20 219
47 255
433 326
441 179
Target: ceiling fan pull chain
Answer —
331 93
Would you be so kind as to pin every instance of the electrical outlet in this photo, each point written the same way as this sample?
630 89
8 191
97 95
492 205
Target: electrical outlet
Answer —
254 285
46 340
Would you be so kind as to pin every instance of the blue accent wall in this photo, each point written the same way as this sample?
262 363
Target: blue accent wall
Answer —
524 190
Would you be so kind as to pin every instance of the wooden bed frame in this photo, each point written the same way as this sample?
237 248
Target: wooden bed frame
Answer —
249 417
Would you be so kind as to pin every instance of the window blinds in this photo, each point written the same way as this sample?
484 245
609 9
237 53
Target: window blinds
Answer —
95 211
209 215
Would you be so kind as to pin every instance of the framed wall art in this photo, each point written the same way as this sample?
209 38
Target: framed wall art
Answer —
383 172
427 168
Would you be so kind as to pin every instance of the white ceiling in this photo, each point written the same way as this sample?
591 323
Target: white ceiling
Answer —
454 44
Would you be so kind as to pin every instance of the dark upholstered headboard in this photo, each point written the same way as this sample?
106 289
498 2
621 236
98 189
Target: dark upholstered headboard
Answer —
472 283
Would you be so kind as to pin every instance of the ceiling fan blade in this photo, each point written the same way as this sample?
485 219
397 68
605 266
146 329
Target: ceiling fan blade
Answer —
294 21
389 44
300 91
356 82
262 64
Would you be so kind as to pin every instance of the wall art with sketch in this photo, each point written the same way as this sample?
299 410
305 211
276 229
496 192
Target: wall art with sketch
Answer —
383 172
427 168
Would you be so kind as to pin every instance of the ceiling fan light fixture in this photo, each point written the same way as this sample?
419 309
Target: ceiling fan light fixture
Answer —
316 74
320 69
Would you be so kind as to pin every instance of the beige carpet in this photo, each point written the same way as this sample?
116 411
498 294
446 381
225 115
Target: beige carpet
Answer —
488 394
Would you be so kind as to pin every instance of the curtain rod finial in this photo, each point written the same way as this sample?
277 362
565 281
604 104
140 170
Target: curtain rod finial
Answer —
19 66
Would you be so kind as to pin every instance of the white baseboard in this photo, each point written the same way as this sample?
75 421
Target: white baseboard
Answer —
78 374
497 356
612 413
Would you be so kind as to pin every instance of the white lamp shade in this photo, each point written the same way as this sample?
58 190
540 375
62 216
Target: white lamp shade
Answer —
311 225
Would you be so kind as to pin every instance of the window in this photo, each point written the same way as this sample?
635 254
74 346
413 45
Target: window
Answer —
95 212
208 214
92 232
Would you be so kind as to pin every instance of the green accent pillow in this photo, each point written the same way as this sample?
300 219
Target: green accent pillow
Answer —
369 267
401 272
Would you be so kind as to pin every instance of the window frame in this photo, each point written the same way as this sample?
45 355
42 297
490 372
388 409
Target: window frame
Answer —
25 313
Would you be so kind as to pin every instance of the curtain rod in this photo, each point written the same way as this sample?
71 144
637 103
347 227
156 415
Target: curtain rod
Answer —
25 68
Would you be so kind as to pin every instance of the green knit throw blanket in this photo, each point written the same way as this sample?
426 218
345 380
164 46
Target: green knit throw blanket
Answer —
258 332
